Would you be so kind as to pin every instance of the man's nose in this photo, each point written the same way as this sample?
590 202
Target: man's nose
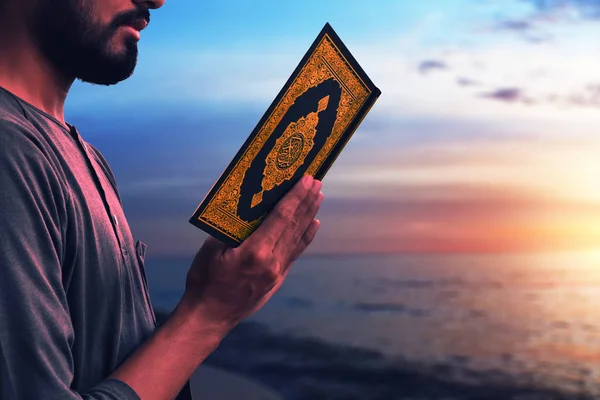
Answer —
150 4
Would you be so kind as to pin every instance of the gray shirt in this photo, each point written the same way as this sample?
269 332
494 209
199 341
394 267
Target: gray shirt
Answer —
74 300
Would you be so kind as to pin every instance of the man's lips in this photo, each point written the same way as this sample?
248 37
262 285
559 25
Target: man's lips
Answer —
138 24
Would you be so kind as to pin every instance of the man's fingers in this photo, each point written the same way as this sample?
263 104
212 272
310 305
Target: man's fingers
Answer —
306 239
281 216
305 213
308 213
306 210
211 246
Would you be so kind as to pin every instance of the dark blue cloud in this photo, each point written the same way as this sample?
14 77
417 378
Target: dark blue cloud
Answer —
526 29
429 65
508 95
531 28
586 97
587 8
516 25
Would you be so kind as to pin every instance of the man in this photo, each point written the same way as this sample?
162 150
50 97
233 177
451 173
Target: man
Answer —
75 319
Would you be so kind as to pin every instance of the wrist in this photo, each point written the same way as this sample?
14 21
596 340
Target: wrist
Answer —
201 318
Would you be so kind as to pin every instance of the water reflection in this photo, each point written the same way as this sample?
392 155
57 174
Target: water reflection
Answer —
533 318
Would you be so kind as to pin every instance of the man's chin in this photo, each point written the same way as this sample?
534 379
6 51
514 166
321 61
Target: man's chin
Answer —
109 72
106 78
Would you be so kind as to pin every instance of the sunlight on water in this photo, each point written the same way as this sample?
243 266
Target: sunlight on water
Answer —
532 316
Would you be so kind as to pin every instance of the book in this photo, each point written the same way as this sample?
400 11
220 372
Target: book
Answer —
303 132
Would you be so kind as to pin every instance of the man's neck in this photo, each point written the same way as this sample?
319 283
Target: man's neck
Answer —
31 77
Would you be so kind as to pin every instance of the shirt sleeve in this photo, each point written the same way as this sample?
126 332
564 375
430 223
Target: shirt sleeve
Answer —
36 334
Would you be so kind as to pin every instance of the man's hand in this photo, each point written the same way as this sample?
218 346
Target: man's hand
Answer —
224 285
230 284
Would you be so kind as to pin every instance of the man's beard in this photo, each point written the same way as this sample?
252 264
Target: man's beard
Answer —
78 47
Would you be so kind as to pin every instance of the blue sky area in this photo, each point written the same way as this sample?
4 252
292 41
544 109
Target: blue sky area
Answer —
483 136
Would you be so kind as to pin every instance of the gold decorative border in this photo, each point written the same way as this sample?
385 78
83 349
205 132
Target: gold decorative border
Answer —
327 61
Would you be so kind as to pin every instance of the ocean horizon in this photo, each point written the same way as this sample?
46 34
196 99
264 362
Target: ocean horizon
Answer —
470 326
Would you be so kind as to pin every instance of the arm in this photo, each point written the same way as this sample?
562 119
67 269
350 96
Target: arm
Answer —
224 285
165 361
36 334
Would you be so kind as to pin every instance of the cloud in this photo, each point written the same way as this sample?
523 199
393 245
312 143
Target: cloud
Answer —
430 65
588 9
545 22
466 82
516 25
526 29
508 95
589 97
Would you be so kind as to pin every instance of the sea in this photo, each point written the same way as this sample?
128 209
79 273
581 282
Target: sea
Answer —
424 326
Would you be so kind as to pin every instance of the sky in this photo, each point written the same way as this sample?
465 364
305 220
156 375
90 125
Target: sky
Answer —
485 137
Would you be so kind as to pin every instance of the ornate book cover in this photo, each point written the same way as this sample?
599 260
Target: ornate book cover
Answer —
303 132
